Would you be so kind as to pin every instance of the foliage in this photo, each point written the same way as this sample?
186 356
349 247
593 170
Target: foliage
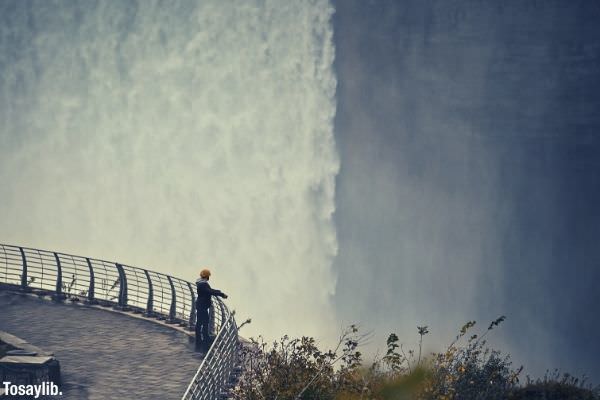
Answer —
295 369
555 386
106 288
69 291
470 370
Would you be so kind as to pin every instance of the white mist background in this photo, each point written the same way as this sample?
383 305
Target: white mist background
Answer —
178 137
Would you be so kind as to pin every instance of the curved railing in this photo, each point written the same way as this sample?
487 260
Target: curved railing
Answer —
215 376
128 288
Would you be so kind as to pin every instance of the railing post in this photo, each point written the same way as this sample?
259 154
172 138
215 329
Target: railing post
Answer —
192 321
173 309
24 271
149 305
58 277
91 288
122 286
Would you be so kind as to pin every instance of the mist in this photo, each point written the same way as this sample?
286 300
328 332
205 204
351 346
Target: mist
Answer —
177 137
468 186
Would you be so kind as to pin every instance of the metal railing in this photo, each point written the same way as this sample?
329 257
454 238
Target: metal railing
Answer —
215 375
127 288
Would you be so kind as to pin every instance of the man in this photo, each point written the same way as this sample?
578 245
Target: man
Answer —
203 303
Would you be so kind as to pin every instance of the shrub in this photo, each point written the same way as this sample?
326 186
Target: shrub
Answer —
555 386
471 370
295 369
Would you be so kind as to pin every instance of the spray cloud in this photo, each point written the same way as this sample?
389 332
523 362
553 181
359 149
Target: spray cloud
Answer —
176 137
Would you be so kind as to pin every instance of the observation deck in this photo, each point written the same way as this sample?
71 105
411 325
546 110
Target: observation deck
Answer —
119 331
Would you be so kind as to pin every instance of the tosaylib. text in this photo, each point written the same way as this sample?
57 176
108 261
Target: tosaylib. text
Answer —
43 389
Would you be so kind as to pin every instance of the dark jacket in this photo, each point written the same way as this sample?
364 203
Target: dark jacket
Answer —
205 293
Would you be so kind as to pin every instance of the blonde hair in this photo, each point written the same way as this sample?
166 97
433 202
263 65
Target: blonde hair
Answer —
205 273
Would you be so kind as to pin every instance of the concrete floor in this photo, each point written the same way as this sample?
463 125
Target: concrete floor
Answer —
103 355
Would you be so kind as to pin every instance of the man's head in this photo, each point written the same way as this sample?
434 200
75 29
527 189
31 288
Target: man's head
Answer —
205 274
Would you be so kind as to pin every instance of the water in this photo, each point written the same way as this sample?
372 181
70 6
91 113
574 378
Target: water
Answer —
177 136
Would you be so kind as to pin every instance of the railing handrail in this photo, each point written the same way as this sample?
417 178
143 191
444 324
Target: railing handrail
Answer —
131 288
91 259
204 362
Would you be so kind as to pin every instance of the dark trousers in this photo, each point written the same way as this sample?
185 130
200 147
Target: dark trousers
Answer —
202 331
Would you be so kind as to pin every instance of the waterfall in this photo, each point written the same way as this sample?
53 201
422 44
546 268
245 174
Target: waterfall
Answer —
176 136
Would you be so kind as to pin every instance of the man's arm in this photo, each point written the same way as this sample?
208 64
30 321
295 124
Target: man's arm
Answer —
205 288
216 292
